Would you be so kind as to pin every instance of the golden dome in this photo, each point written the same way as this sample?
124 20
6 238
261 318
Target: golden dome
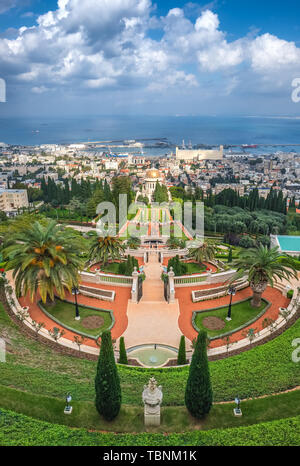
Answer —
153 173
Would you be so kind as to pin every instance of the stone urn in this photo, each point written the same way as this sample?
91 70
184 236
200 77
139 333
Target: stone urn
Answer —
152 398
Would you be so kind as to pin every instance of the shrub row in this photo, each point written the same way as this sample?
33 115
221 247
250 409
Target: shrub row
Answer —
17 429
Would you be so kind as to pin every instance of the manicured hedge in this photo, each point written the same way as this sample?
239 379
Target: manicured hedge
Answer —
17 429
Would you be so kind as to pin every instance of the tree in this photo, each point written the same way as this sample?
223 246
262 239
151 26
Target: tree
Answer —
198 392
205 252
175 243
181 359
263 265
56 333
107 382
122 352
105 248
179 268
230 255
133 242
3 216
247 242
79 340
44 259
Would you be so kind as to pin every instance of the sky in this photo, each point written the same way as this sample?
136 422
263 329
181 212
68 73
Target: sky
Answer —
89 57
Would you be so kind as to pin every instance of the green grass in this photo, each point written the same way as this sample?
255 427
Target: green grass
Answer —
64 312
241 313
112 267
17 429
36 368
130 419
193 267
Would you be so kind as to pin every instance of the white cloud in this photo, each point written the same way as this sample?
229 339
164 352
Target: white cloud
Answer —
269 53
93 45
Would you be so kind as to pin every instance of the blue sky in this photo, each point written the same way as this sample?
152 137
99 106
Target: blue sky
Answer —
138 56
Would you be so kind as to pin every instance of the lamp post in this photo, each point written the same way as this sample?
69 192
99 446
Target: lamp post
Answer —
232 292
75 292
237 411
68 408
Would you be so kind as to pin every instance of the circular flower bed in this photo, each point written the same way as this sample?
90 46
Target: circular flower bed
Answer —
92 322
213 323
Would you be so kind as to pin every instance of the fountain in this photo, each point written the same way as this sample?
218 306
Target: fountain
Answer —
152 355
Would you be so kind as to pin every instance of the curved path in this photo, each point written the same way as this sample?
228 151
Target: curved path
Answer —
152 320
118 307
187 307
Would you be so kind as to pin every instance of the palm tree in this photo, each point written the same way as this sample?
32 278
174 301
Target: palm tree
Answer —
133 242
44 258
205 252
263 265
104 248
175 243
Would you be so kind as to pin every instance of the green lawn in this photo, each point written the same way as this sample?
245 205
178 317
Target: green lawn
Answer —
241 313
130 419
19 430
193 267
112 267
64 313
36 368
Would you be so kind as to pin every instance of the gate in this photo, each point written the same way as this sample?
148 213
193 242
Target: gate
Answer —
167 289
140 288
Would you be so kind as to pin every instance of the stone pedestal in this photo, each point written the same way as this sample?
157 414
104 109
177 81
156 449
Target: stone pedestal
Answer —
152 398
134 289
171 275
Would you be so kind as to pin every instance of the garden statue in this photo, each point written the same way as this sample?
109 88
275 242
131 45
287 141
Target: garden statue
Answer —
152 398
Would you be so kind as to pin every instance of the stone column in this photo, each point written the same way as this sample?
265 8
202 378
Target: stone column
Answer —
134 288
171 276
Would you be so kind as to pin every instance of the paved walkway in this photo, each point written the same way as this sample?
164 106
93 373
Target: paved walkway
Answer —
152 320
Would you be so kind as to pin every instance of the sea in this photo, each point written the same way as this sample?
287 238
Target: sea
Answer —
272 134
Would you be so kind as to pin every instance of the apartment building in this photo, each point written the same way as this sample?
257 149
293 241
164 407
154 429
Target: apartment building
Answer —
13 199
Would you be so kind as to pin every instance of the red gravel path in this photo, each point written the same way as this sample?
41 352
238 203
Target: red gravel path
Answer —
187 307
119 308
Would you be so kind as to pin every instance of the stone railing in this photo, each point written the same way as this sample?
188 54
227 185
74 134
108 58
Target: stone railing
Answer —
204 278
17 309
281 321
106 279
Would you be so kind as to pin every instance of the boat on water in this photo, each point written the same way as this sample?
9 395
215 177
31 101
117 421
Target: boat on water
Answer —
249 146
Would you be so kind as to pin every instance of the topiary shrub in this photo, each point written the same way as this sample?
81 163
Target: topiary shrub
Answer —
122 352
181 359
107 382
179 268
198 392
289 294
127 267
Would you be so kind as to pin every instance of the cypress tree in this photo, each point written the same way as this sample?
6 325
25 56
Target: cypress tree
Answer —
122 352
107 382
198 392
181 359
230 255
